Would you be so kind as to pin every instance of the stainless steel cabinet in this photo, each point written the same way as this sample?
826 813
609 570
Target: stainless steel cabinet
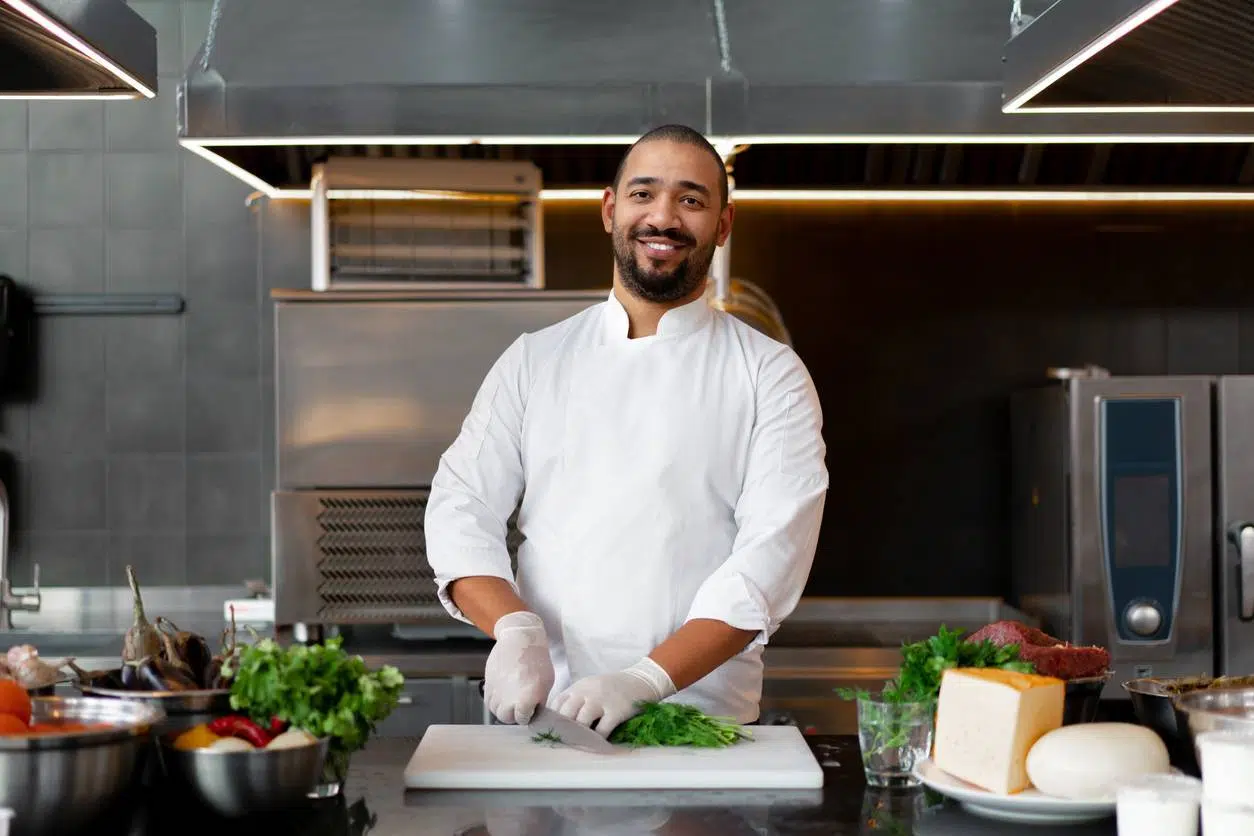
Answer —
433 701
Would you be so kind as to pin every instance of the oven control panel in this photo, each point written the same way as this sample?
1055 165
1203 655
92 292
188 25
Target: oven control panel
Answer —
1140 472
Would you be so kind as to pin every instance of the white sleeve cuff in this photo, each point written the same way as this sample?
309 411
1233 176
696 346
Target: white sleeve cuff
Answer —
471 563
735 600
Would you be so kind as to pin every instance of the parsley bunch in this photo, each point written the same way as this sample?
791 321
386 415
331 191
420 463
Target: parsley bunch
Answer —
676 724
924 663
318 688
911 696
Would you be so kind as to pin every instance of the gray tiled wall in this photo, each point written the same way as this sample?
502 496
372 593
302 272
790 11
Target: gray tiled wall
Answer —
144 443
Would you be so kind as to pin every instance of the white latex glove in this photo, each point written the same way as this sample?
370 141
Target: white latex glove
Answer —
606 700
519 673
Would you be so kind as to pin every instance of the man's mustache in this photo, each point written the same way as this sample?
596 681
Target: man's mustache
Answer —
673 234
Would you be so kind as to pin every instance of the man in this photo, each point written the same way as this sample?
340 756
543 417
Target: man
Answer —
671 469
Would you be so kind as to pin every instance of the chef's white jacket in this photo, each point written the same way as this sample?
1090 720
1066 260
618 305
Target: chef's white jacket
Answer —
662 479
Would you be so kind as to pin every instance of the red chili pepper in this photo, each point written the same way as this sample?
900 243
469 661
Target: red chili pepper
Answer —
243 728
277 726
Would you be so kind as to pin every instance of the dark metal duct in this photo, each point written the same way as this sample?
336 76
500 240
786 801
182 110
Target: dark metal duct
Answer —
76 49
1169 56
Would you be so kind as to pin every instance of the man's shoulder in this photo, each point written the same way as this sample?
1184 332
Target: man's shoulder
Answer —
545 341
532 350
765 355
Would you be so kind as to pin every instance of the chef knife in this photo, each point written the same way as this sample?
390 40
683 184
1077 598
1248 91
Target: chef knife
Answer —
548 722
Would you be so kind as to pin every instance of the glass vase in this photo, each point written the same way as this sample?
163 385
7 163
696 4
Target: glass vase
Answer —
334 774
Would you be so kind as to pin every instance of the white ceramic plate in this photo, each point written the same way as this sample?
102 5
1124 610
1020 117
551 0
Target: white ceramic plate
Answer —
1027 807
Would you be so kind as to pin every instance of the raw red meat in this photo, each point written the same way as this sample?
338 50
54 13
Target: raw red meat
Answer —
1050 656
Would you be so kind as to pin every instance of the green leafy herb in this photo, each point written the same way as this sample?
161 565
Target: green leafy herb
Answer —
675 724
924 663
319 688
886 721
547 737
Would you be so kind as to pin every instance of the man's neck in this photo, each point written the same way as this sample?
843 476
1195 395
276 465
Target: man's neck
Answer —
644 316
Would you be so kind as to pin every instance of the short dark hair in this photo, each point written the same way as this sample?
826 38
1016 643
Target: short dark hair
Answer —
685 136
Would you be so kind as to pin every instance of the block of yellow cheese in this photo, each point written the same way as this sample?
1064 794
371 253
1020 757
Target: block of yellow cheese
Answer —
987 720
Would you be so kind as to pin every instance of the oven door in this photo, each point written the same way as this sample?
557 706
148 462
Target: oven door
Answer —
1235 610
1143 523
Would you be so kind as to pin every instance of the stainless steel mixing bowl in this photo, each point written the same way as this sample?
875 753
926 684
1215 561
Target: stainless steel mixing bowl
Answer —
182 709
238 783
1216 708
61 783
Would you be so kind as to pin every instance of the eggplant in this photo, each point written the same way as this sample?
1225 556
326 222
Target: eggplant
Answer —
141 639
186 647
129 675
212 676
111 680
156 674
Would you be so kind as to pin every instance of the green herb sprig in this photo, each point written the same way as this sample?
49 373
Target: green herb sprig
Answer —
676 724
910 697
924 663
547 737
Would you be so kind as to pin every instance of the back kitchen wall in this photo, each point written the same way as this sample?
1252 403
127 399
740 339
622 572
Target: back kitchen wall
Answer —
150 438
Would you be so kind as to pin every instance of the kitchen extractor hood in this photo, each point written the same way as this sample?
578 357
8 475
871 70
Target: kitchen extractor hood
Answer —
821 91
72 49
1148 56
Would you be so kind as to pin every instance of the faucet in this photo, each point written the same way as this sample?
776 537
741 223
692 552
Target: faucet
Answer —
10 599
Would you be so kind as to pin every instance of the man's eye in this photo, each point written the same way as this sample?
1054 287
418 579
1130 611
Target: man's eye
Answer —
640 194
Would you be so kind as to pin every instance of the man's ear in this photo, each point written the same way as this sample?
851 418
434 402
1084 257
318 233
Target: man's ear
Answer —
607 209
725 223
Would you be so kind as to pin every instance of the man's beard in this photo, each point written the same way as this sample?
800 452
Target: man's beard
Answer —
658 285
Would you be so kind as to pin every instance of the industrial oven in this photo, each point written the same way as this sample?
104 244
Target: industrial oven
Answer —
1133 518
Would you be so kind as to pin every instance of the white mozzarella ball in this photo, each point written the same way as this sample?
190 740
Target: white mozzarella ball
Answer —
1090 760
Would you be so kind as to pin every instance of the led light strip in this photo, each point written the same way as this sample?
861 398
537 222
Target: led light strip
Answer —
776 195
68 97
1134 109
1146 14
779 139
55 28
836 195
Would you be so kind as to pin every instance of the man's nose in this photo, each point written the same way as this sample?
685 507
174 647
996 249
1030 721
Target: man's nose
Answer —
663 215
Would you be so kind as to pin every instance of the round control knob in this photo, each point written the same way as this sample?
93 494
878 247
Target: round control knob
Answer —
1143 618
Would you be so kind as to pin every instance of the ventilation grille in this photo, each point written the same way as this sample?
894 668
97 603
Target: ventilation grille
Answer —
465 240
372 559
381 223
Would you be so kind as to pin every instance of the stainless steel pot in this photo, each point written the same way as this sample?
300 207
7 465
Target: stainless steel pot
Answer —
61 783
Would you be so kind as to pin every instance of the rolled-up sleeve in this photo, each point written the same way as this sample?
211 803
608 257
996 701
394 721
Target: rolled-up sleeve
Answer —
478 483
780 507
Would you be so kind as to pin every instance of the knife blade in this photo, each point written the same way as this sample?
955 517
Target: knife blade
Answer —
548 721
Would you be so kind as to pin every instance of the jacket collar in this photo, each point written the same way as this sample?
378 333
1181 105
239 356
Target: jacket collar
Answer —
676 322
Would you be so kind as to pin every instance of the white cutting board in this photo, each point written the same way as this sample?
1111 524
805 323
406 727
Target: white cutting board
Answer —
500 757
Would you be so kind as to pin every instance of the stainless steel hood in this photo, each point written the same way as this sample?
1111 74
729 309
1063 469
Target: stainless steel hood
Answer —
1170 56
76 49
822 92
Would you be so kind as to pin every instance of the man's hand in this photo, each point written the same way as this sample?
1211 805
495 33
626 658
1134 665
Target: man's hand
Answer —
519 673
604 701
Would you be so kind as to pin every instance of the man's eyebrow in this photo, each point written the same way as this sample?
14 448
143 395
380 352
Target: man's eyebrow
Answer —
653 181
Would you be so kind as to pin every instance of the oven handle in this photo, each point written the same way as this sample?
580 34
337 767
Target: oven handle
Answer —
1242 536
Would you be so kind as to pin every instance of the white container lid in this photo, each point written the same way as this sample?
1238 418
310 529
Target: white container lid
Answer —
1161 787
1225 739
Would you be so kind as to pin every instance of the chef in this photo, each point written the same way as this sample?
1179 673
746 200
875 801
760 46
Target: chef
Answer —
670 466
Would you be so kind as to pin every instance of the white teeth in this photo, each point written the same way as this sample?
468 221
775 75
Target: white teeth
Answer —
663 247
